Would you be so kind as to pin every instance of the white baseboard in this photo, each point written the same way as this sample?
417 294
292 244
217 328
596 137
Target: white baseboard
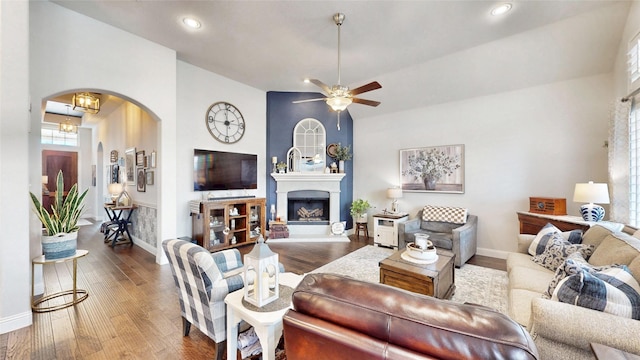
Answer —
500 254
16 322
148 248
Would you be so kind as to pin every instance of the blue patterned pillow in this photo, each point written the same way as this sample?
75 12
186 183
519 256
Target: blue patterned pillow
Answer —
536 247
573 264
557 249
612 291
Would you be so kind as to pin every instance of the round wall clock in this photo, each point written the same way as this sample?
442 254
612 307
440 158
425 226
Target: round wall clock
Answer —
225 122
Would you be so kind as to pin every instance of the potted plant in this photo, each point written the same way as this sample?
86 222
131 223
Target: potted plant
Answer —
343 153
282 167
62 223
359 210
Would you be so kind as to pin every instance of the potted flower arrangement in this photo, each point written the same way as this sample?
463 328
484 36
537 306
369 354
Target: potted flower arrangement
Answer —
62 223
430 166
282 167
359 210
342 154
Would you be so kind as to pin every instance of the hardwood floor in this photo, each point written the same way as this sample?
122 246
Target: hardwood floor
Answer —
132 310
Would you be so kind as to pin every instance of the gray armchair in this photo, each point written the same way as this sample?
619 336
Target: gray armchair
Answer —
461 239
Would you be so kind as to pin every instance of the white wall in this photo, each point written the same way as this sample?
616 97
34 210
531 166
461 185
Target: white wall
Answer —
538 141
15 310
197 90
124 65
129 126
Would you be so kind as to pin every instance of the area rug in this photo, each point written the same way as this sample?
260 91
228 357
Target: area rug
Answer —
474 284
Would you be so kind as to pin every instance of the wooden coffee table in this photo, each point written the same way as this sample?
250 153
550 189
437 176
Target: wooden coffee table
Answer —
435 279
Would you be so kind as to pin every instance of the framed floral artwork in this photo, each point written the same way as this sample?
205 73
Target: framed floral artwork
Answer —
433 169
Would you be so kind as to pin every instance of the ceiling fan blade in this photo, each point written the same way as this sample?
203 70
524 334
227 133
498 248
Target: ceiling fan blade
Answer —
368 87
308 100
321 85
366 102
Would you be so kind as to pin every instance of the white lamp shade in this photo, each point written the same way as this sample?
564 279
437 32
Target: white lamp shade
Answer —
115 188
394 193
45 179
339 103
591 192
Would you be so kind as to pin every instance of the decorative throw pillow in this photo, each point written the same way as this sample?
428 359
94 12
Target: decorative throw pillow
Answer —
573 264
455 215
612 291
557 250
573 236
537 248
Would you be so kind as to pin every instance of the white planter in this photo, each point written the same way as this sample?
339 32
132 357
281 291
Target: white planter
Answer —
360 219
60 245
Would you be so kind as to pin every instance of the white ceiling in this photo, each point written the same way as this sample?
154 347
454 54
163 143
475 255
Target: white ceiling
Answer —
422 52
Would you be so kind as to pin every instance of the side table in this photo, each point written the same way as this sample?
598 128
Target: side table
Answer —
268 325
385 229
78 294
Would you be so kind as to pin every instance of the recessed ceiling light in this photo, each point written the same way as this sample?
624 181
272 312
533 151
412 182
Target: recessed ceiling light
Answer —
501 9
191 22
306 81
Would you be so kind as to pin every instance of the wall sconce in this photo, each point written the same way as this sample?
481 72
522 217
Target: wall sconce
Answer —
591 193
395 194
86 102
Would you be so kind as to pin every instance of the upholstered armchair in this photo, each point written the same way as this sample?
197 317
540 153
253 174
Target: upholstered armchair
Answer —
203 280
455 231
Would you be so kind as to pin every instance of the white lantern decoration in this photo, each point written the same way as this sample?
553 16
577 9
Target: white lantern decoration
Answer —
261 275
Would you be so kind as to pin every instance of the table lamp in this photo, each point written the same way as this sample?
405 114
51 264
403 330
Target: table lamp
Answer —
45 181
115 189
395 194
591 193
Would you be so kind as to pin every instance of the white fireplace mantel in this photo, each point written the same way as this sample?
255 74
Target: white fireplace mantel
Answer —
308 181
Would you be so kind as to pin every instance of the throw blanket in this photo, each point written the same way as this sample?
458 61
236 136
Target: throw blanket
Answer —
448 214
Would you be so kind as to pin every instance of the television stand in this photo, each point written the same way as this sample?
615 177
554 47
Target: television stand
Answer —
231 222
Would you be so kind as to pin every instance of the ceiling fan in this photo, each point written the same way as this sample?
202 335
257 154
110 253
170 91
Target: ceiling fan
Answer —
338 97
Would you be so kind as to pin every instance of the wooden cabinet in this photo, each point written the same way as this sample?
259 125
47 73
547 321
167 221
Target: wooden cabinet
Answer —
531 223
230 222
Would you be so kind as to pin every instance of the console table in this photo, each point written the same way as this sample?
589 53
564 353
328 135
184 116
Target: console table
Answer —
531 223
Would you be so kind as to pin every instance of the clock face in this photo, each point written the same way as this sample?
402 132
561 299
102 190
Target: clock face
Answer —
225 122
540 205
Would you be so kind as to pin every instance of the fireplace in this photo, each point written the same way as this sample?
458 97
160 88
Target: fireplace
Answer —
322 187
308 207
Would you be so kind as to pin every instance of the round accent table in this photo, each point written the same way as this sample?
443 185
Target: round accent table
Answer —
78 294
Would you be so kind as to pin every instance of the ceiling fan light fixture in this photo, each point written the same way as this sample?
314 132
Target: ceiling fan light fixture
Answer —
339 103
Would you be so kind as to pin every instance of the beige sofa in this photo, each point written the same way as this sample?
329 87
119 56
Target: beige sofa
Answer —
565 331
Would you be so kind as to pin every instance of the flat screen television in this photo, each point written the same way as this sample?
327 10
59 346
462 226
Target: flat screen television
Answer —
221 170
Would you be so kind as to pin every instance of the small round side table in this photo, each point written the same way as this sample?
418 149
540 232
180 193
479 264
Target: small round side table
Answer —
78 294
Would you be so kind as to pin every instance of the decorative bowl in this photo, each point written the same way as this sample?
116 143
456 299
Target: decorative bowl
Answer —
423 254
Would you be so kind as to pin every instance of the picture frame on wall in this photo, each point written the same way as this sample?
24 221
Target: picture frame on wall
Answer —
153 159
130 166
433 169
140 158
149 177
142 180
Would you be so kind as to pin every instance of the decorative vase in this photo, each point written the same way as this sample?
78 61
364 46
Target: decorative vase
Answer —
429 182
60 245
341 166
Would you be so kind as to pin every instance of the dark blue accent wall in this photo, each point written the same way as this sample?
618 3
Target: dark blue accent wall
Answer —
282 117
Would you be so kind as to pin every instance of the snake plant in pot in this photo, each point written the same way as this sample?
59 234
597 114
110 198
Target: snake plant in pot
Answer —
62 222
